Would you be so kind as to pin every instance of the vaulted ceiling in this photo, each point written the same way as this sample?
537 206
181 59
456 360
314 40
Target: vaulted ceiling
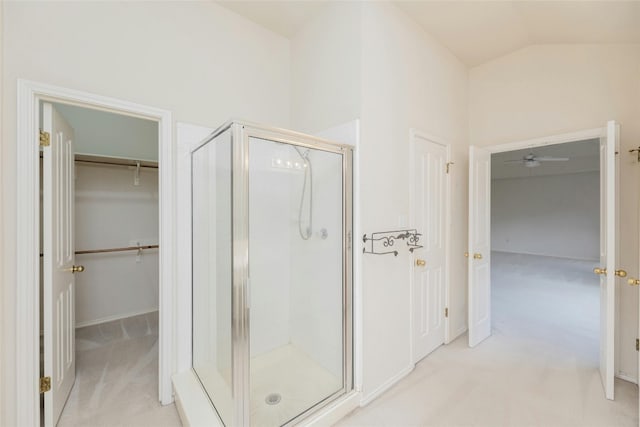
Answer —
479 31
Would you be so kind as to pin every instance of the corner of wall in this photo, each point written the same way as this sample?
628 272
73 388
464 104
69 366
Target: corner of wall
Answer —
326 68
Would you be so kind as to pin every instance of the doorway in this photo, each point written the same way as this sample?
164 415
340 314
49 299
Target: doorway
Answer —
99 214
479 254
545 243
30 96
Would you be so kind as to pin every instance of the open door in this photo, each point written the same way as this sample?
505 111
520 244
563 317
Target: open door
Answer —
607 270
479 255
58 249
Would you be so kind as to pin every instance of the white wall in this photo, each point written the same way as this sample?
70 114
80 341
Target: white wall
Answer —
556 215
111 212
408 81
325 69
400 79
200 61
551 89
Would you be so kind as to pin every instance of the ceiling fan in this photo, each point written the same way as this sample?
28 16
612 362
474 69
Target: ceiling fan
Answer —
532 161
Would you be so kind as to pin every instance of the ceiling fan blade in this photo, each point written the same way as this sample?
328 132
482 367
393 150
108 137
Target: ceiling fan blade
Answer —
552 159
514 161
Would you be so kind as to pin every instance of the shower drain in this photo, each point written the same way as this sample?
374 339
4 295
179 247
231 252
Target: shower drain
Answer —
273 399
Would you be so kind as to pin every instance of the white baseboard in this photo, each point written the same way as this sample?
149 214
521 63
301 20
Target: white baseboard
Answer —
386 385
457 334
624 376
114 317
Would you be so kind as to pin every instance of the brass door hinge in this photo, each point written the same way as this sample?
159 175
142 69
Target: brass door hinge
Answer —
446 312
637 344
45 139
45 384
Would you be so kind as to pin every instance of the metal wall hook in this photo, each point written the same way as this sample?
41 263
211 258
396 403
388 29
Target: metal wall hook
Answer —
387 239
636 150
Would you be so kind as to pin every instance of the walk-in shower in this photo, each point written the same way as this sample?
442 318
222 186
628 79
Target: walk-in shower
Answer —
272 293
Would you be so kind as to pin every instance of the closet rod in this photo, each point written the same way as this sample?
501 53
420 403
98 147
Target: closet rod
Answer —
128 248
125 162
100 162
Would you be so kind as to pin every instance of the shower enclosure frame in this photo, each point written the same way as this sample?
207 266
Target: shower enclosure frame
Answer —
241 133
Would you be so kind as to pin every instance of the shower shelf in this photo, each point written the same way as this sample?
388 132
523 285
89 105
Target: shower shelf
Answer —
382 242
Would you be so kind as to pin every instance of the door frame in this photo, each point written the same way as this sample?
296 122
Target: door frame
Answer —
413 134
27 327
563 138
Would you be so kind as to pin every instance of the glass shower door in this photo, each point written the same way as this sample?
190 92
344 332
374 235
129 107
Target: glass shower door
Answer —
212 272
296 295
271 285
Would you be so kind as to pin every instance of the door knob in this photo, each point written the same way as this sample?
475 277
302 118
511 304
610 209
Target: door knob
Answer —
421 262
466 254
621 273
477 256
598 270
77 269
633 282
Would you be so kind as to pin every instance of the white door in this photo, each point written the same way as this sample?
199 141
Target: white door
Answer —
58 250
608 216
479 255
429 263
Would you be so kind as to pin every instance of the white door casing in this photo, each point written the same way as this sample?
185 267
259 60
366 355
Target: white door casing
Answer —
429 203
479 255
608 239
26 399
58 257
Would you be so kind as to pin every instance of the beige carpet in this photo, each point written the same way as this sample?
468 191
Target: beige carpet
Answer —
539 368
117 376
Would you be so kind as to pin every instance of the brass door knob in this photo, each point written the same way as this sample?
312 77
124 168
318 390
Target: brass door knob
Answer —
633 282
621 273
598 270
466 254
77 269
477 256
421 262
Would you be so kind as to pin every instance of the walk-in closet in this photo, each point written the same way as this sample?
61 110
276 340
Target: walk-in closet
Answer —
101 207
